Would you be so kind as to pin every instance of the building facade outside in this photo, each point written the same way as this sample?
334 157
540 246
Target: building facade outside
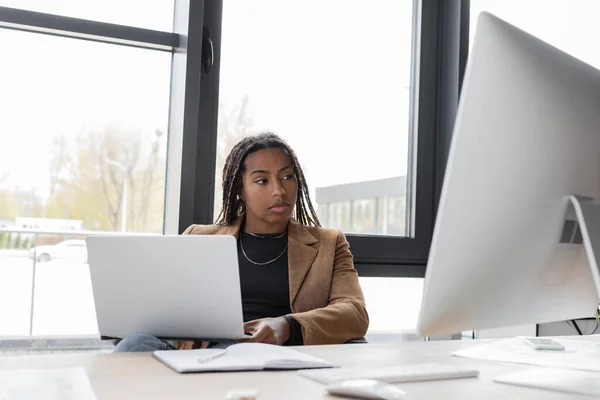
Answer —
370 207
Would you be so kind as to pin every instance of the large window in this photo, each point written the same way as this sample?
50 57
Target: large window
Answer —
86 131
325 76
84 128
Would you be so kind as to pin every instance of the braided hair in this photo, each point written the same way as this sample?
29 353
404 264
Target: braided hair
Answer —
304 211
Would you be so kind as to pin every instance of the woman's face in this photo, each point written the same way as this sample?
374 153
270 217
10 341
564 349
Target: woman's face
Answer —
269 189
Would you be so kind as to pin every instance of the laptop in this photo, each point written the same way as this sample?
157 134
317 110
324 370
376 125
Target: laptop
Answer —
172 287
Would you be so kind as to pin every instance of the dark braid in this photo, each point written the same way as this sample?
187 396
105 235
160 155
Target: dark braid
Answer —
304 212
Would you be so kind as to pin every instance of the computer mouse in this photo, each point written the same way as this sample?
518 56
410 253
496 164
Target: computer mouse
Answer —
366 389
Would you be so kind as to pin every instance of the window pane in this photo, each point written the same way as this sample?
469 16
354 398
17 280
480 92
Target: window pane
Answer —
565 24
84 137
155 14
338 92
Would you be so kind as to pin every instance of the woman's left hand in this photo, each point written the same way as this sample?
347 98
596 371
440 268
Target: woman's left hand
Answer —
268 330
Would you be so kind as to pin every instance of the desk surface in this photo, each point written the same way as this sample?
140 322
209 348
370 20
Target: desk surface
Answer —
139 376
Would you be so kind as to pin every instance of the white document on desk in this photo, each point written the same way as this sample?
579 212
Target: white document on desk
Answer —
556 379
577 355
47 384
239 357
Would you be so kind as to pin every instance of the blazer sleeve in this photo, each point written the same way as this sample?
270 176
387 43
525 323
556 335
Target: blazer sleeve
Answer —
189 229
345 317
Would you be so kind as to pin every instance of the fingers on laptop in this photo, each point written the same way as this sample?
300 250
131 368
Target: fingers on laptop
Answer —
264 334
262 331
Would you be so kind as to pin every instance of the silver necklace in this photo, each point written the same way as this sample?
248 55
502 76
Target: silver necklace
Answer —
266 237
261 263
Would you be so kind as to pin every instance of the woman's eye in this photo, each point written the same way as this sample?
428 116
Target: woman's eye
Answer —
261 181
286 177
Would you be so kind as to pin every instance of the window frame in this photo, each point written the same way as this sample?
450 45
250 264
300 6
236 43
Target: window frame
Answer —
440 45
77 28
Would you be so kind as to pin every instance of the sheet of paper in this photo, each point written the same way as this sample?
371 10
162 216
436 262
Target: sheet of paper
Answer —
47 384
264 353
556 379
577 354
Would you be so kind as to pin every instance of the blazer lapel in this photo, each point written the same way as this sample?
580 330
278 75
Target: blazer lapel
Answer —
300 256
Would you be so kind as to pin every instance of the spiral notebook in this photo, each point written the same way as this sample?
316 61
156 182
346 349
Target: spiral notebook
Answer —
239 357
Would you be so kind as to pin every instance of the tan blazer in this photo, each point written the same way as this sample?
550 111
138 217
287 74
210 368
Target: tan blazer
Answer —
325 295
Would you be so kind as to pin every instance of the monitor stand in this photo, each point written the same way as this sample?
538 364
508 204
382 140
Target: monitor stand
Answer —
582 225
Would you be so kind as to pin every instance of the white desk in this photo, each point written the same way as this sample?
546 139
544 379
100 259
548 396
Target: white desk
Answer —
139 376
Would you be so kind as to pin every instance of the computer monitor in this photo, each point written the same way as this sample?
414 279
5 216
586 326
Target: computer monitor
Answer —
506 250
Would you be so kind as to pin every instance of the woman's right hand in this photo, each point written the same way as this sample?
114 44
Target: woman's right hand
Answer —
268 330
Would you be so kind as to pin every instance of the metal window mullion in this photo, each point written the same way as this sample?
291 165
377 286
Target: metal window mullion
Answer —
200 144
76 28
184 117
